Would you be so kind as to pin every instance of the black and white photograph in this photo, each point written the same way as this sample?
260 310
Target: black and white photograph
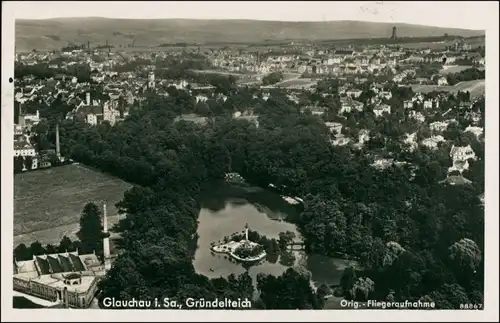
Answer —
220 157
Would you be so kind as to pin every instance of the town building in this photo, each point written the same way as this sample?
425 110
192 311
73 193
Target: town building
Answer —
462 153
24 149
442 81
335 127
433 141
67 278
438 126
381 109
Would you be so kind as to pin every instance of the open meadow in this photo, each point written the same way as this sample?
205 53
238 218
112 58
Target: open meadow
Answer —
440 45
297 82
476 88
48 203
451 69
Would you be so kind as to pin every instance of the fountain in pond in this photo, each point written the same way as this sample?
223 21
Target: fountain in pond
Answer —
243 250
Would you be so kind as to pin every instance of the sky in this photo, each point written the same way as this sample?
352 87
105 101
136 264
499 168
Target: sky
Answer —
454 14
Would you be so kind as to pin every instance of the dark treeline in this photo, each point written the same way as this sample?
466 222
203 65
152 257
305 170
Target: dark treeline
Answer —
73 47
469 74
42 71
428 235
23 252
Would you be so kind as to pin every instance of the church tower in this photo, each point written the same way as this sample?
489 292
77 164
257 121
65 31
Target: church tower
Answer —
394 33
107 263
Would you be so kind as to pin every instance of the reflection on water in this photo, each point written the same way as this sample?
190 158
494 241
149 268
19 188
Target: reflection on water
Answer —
226 209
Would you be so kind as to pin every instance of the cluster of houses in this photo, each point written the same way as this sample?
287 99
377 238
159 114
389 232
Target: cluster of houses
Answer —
121 90
347 61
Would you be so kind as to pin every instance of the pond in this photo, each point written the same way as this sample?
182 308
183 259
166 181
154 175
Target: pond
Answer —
227 209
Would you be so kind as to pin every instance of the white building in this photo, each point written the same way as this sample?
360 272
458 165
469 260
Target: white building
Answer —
340 141
438 126
477 131
417 116
442 81
334 127
34 118
363 136
381 109
24 150
91 119
462 153
201 98
353 93
351 106
429 104
433 141
408 104
385 94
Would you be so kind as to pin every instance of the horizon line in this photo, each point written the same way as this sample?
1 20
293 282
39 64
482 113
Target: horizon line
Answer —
247 19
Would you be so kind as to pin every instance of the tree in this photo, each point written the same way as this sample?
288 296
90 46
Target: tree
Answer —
272 78
392 252
90 233
348 280
28 162
66 245
291 290
362 289
50 249
466 254
37 248
21 253
18 164
285 238
449 296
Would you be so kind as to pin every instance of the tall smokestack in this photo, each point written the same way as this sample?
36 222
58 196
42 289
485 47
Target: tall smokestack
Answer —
58 148
87 97
105 218
107 264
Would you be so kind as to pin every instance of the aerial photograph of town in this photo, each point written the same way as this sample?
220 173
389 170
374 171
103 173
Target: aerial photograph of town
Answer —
248 164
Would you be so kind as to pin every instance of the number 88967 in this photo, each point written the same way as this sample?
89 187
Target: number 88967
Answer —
471 306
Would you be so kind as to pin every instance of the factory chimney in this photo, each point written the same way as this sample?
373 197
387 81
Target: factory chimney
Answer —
87 97
107 264
58 147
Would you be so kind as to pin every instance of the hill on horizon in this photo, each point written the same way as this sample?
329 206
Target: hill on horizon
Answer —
51 34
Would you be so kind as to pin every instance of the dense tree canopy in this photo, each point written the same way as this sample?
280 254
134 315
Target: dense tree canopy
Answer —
469 74
400 227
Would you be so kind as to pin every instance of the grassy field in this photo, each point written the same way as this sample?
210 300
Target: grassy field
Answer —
453 69
48 203
474 42
476 88
297 82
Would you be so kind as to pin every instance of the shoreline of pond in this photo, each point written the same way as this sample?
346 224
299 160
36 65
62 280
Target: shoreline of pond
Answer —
226 207
284 191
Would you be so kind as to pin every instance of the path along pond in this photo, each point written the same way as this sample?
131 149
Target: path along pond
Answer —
226 209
